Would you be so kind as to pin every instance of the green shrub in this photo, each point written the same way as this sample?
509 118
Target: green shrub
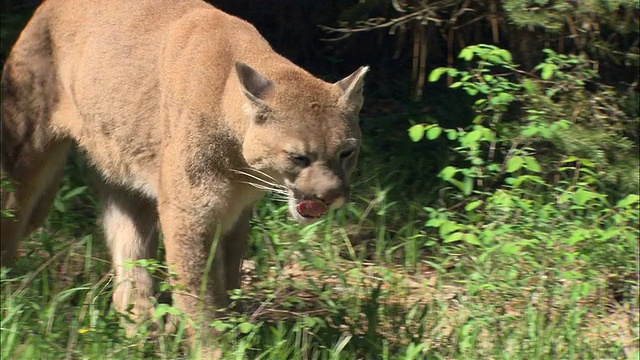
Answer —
532 209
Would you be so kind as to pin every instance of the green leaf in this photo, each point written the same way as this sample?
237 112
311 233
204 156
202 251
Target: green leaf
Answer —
526 178
468 185
472 239
437 73
628 201
483 88
452 134
609 234
494 59
453 72
456 84
75 192
502 98
473 136
547 71
478 119
570 159
532 164
505 54
472 91
457 183
530 86
448 173
510 248
577 236
529 131
221 325
473 205
434 132
546 133
478 103
488 134
246 327
416 132
448 227
457 236
164 309
466 53
59 205
514 164
581 196
571 274
587 163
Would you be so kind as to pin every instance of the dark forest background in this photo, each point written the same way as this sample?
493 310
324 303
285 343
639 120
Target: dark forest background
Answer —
398 39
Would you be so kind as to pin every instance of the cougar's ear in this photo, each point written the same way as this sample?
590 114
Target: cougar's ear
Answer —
352 87
254 85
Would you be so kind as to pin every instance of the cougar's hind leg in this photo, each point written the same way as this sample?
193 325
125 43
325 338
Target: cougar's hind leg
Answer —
130 225
33 180
42 207
32 153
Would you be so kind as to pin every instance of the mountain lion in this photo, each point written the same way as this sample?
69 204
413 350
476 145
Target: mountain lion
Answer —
188 115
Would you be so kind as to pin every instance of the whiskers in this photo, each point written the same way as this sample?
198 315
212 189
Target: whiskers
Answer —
361 187
263 181
362 182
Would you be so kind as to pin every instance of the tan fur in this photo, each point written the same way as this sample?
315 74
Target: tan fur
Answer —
188 115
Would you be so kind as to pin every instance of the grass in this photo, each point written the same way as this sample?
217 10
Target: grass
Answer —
369 282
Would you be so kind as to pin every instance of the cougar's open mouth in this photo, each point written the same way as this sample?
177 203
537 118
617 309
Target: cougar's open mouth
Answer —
306 210
311 209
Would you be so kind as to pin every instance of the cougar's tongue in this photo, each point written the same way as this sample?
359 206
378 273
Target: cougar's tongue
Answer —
311 208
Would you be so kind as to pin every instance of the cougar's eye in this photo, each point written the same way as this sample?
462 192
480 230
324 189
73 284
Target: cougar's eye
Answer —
300 160
347 153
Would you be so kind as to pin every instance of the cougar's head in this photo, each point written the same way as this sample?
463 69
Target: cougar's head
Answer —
304 138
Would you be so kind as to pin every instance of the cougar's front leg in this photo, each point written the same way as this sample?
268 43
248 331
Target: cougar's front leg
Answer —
234 248
191 219
189 243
